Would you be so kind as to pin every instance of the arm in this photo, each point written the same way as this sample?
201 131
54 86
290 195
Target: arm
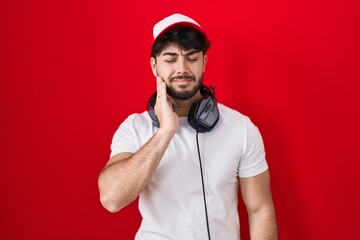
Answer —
126 174
257 197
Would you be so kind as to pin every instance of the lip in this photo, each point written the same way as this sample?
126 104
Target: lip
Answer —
182 80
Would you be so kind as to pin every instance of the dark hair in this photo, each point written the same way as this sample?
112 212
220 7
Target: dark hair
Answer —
187 38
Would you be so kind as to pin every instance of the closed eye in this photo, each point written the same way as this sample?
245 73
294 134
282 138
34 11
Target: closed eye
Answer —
170 60
192 59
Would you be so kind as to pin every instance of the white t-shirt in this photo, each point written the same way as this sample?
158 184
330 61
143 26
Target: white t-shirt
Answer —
172 205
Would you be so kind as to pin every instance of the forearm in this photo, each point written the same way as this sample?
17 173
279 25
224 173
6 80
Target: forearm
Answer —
122 180
263 224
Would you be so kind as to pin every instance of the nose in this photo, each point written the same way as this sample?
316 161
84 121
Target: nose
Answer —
182 67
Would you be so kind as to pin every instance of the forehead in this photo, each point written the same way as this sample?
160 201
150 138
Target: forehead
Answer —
175 48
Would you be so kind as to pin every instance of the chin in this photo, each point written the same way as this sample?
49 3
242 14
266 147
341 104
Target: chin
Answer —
182 94
184 91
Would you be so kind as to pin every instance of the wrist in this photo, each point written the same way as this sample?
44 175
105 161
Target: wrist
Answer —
166 132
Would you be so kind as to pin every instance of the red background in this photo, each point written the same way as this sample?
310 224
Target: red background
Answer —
71 71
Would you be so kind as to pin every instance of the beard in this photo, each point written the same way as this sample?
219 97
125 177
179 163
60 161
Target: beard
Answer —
184 94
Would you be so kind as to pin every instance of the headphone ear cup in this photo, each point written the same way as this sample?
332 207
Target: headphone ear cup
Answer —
151 111
204 114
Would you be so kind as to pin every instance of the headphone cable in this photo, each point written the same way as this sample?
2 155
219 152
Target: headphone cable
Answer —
203 185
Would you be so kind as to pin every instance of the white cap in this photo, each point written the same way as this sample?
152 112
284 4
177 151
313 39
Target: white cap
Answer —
174 20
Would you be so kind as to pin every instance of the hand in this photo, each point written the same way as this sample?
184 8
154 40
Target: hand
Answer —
168 119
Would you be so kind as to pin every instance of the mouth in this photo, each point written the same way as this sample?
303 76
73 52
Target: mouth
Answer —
182 79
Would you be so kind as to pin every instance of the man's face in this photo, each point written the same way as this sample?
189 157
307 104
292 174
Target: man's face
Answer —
182 70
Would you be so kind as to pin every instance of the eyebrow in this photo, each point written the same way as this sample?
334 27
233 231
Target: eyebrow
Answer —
175 54
169 54
192 52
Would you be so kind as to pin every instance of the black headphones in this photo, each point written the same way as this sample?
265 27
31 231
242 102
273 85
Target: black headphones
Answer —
203 114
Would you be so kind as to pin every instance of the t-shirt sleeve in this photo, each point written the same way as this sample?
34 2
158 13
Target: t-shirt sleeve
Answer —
253 161
124 138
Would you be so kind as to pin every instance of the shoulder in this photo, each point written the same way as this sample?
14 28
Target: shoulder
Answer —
132 133
233 117
237 124
136 124
137 120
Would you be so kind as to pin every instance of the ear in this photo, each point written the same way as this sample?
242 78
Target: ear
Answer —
153 66
205 61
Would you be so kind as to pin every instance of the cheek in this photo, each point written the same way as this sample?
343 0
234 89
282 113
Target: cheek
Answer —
198 71
163 72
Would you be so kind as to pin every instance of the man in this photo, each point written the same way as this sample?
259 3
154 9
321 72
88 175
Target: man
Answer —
188 179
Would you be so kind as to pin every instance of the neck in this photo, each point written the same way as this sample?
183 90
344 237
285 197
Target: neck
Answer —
182 107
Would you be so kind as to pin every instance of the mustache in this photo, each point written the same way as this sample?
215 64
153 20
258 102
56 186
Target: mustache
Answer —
187 77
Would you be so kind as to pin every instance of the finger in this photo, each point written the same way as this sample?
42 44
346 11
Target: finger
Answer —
163 93
158 88
161 88
158 84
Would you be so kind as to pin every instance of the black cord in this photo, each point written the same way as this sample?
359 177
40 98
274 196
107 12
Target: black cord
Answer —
203 185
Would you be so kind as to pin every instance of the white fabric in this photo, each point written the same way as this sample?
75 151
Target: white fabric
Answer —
172 204
172 20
